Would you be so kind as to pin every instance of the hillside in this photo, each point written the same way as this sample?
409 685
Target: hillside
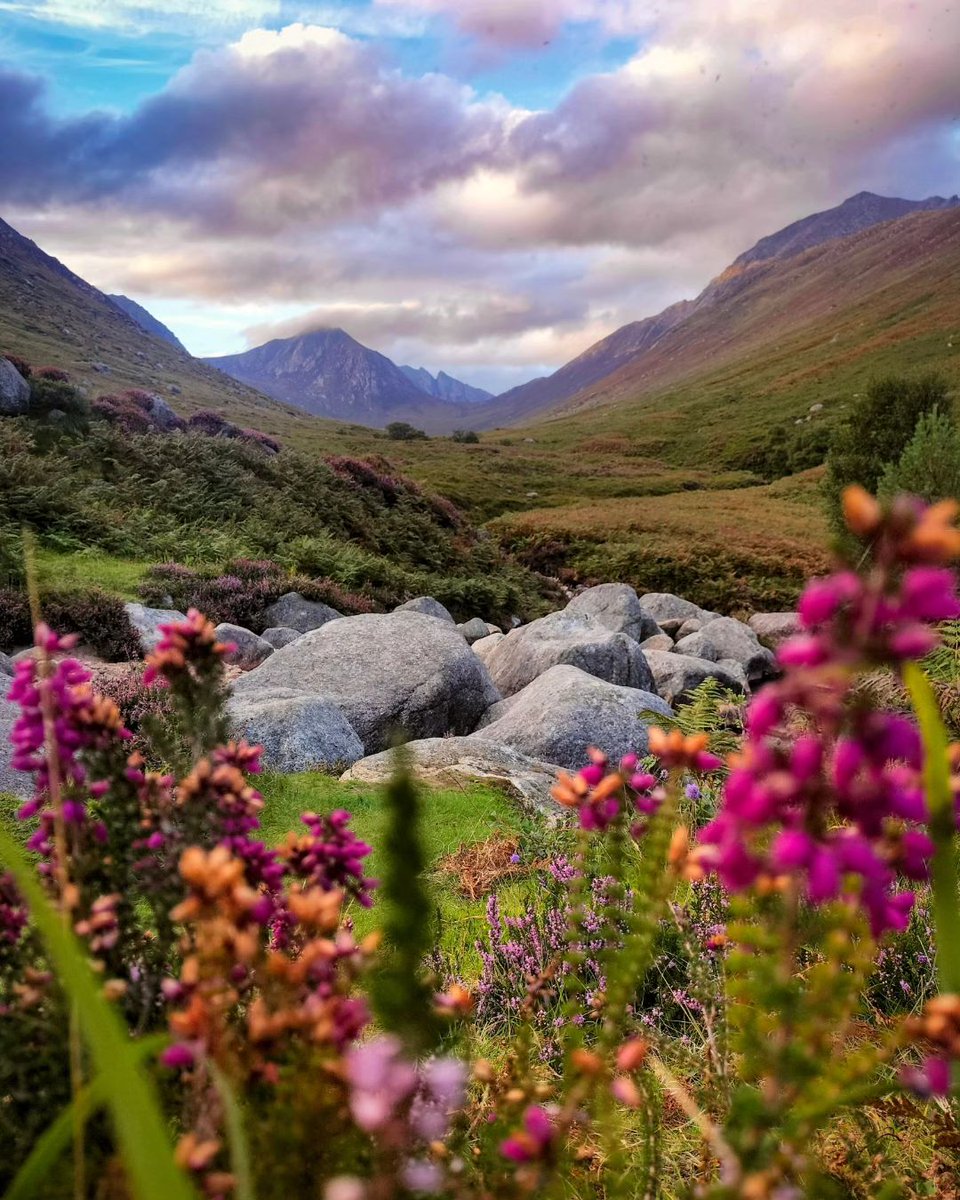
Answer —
330 374
146 320
50 315
639 341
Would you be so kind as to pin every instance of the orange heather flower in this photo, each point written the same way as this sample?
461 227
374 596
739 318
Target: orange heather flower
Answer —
676 749
935 538
861 512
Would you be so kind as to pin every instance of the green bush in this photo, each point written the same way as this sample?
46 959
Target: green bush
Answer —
403 431
876 432
930 465
465 435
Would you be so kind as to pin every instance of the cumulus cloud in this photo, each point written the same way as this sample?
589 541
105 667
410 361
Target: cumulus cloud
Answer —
300 171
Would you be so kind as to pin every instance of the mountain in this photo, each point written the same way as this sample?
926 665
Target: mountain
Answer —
50 316
444 387
146 320
634 342
330 374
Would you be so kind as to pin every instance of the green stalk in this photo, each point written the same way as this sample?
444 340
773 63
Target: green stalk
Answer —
945 866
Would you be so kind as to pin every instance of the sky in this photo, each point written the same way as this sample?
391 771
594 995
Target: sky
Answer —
481 186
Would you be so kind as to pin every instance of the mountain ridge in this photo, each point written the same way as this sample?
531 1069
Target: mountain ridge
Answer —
145 319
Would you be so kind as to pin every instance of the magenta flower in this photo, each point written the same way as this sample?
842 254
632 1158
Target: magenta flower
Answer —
532 1143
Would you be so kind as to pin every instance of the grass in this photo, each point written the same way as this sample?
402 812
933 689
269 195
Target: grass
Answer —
90 568
450 818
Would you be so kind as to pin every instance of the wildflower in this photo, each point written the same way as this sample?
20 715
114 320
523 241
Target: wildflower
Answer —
184 646
532 1143
675 749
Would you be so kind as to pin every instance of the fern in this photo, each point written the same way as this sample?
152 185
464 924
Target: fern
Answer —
711 709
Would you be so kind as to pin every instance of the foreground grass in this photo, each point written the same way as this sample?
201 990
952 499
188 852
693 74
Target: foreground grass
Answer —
90 568
450 818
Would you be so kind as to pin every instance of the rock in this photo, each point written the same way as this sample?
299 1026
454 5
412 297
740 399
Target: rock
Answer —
280 635
390 674
664 606
736 669
484 647
6 664
292 611
616 607
13 783
660 641
726 638
428 606
450 762
565 711
691 625
251 649
147 621
774 628
297 732
563 637
162 414
676 675
474 630
14 390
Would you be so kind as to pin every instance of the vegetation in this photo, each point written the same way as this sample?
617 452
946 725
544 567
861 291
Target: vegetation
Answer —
720 984
876 431
930 464
403 431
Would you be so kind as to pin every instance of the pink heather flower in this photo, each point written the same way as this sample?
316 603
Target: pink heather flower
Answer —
533 1142
931 1078
380 1081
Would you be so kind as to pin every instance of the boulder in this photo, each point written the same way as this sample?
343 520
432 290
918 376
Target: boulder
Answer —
774 628
565 637
6 664
726 638
292 611
147 621
664 607
250 649
565 711
454 761
13 783
428 606
484 647
14 390
162 414
474 630
615 606
298 733
676 675
280 635
691 625
390 674
660 641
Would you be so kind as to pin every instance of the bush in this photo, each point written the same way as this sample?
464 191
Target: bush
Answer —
930 465
465 435
401 431
21 364
880 425
100 620
54 374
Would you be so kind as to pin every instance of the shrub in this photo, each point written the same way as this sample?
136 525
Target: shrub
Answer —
99 619
54 374
465 435
21 364
876 432
212 424
930 465
402 431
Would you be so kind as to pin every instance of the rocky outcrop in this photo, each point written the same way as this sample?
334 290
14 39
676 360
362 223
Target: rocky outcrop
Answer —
660 641
298 733
292 611
455 761
485 646
14 390
615 606
565 711
390 674
147 621
428 606
249 649
676 675
565 637
665 607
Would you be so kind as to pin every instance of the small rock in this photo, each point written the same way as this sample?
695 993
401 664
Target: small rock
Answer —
297 732
474 630
725 637
280 635
292 611
691 625
664 607
428 606
250 650
147 621
453 761
660 641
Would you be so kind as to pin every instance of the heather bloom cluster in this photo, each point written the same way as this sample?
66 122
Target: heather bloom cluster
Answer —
330 856
826 790
185 645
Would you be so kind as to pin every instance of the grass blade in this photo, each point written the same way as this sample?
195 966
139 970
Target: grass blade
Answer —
138 1119
57 1136
236 1136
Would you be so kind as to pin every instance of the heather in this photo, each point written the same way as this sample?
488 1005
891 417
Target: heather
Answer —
730 971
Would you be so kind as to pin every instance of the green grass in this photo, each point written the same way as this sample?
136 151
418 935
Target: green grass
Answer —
451 818
89 568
